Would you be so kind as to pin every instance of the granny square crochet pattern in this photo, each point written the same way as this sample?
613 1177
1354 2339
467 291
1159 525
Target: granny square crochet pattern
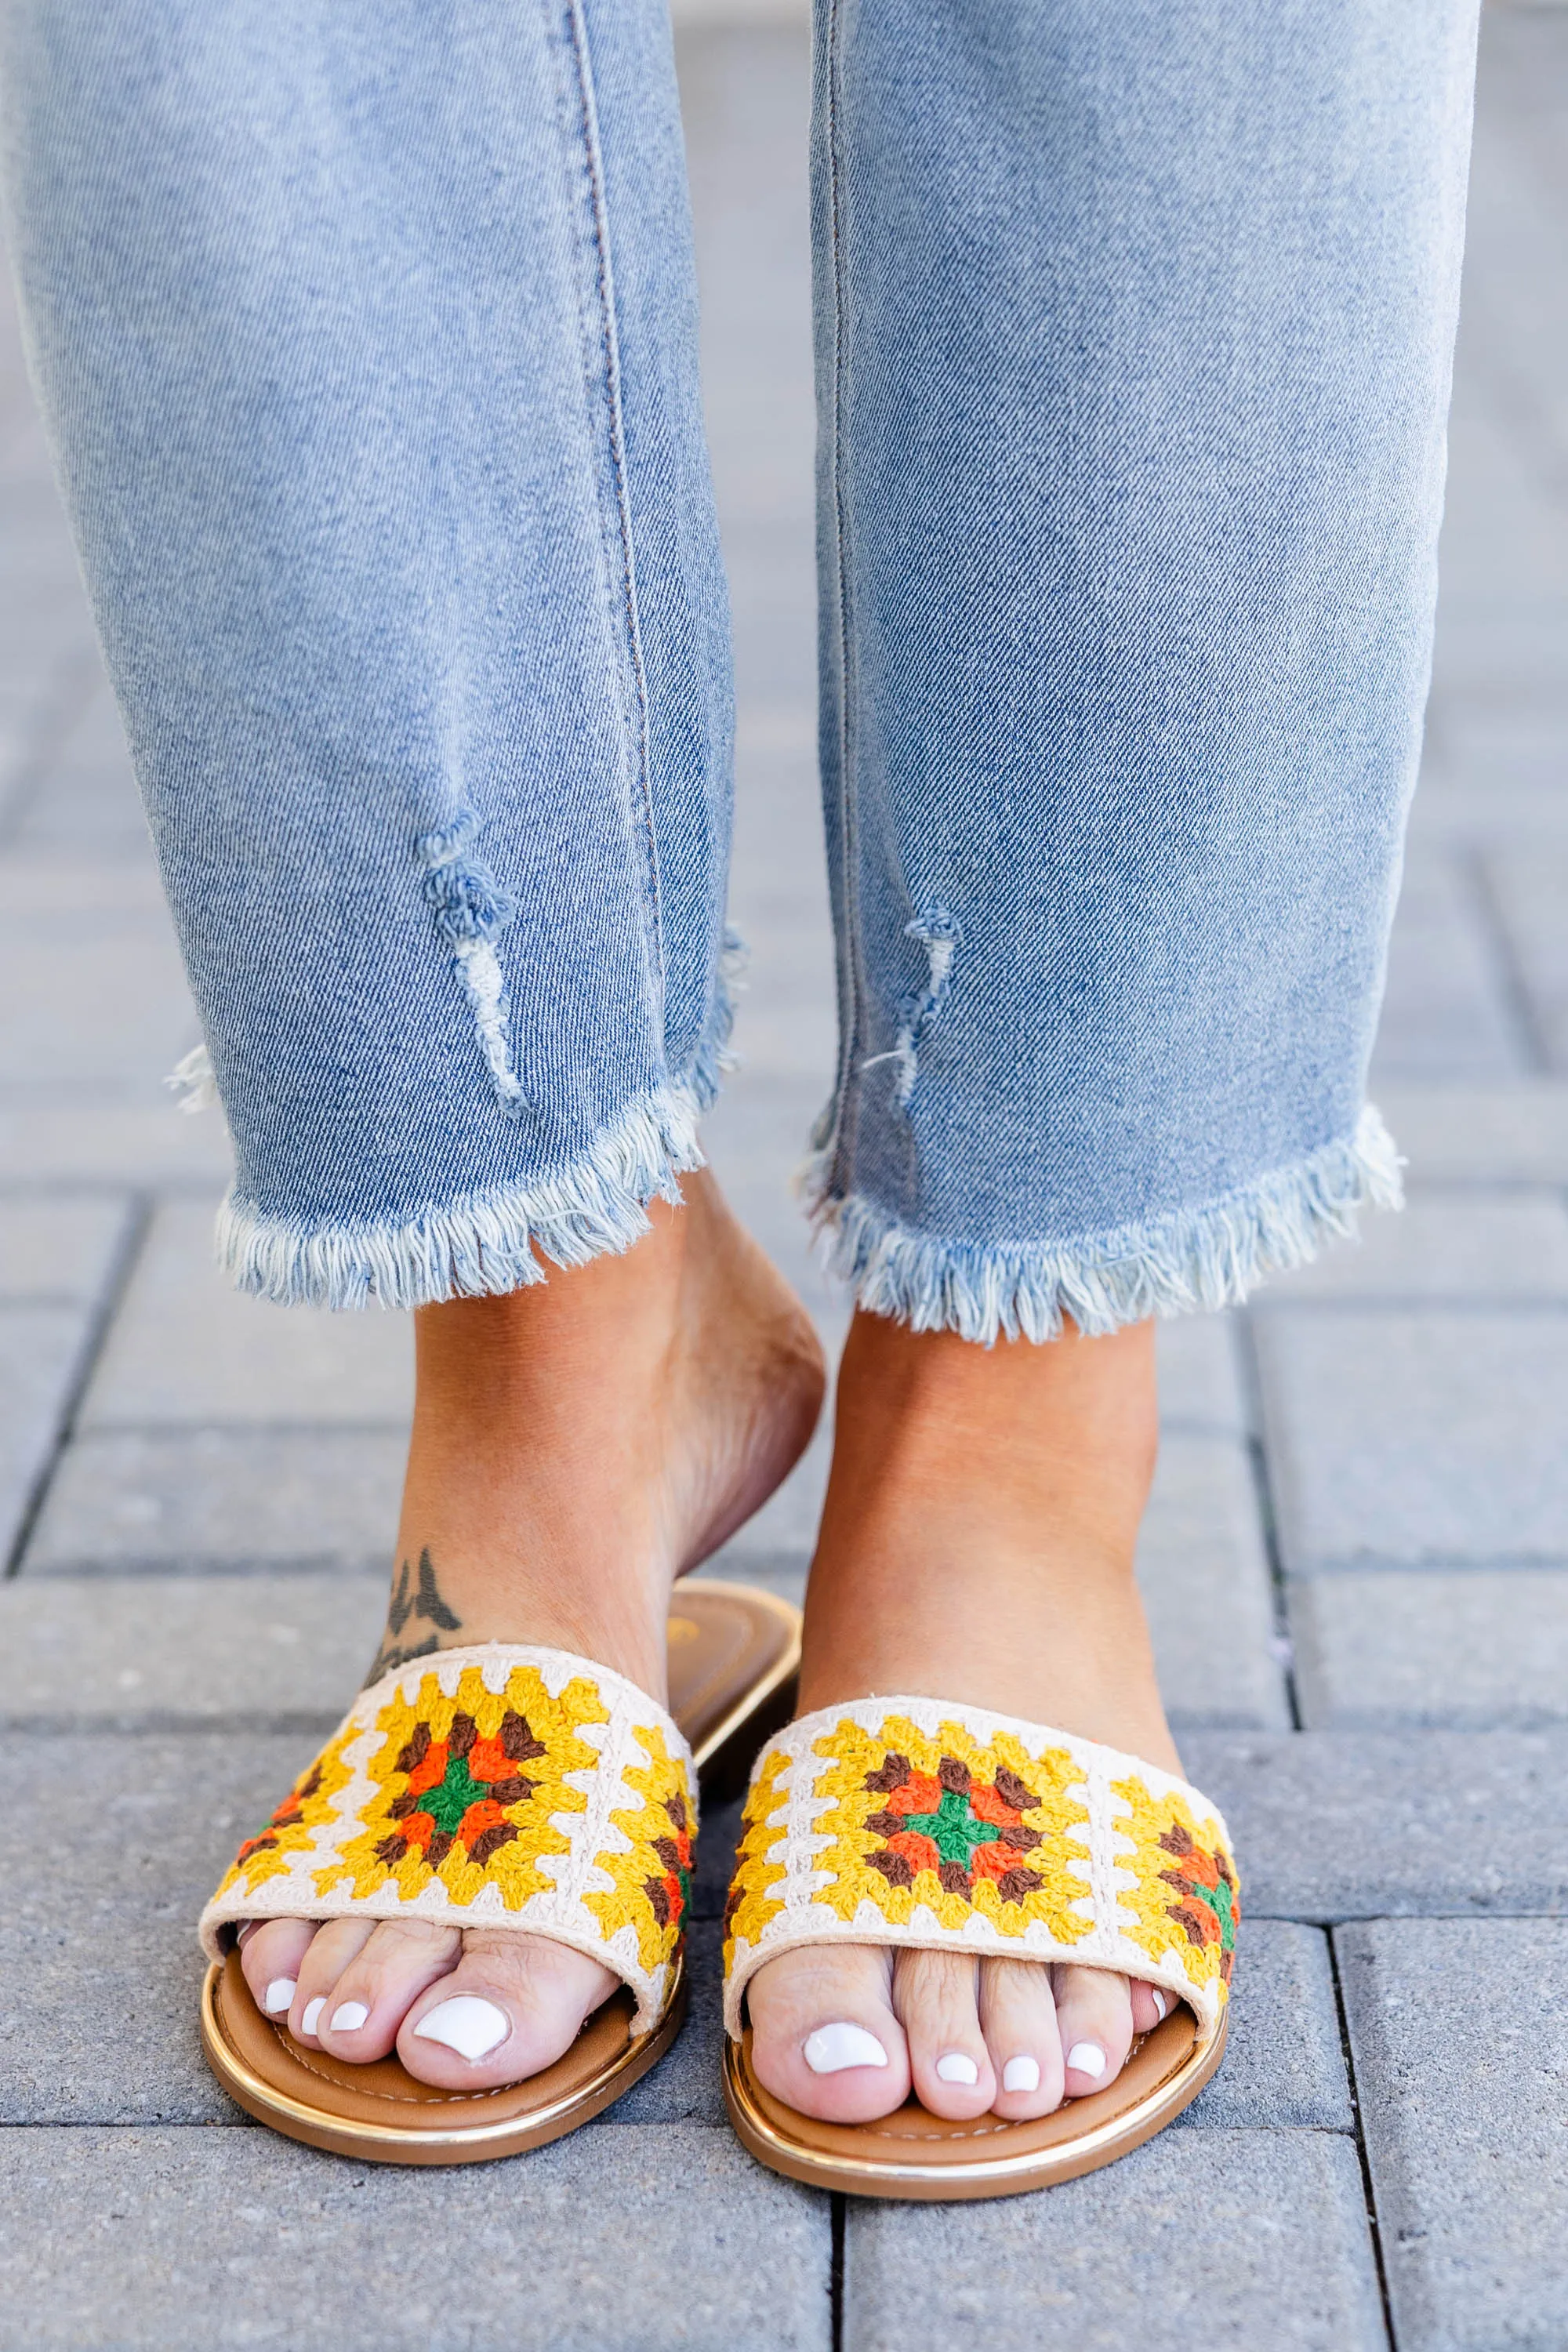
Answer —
908 1820
489 1787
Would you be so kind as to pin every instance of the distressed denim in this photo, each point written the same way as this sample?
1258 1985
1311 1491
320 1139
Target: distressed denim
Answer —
366 339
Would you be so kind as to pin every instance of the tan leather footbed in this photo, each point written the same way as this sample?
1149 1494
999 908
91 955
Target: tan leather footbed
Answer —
733 1651
916 2155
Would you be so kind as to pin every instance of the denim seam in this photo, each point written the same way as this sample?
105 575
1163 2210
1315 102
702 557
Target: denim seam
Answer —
1207 1257
603 295
830 1133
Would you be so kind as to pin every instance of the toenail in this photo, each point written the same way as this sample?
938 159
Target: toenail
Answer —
1021 2074
350 2017
1087 2058
833 2047
471 2027
953 2066
279 1996
313 2014
1160 2002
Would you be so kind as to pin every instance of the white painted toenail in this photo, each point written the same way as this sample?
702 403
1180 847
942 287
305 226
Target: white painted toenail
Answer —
312 2018
466 2023
350 2018
953 2066
833 2047
1160 2002
1087 2058
1021 2074
278 1995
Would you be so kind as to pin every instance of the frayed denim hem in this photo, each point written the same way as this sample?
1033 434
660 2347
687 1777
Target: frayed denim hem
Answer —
481 1243
1209 1257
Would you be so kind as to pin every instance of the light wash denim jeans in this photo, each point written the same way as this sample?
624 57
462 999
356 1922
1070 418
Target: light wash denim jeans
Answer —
367 338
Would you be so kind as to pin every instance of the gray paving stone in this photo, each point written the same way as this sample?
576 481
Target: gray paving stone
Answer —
1200 2239
100 1971
1465 1247
684 2088
1423 1438
116 1008
41 1351
147 1140
1284 2062
204 1499
1200 1379
186 1348
1514 1133
1531 888
669 2239
1467 1647
1363 1825
1445 1010
1467 2125
54 1248
83 799
176 1653
1205 1580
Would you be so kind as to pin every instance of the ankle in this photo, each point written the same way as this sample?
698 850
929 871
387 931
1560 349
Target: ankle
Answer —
576 1444
979 1535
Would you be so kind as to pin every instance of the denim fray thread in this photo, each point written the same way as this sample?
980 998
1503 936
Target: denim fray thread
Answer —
1203 1258
483 1244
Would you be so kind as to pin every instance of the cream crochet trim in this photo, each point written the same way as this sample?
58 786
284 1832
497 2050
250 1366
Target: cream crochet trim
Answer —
586 1838
919 1822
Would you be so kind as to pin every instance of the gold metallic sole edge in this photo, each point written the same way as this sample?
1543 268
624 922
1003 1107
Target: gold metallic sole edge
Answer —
975 2176
321 2127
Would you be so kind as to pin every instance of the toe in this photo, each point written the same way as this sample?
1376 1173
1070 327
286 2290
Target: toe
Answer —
379 1984
331 1948
1094 2019
1018 2018
270 1954
935 1995
511 2006
824 2038
1150 2004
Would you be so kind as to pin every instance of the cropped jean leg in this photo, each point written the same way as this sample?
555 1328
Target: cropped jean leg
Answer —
1134 329
365 335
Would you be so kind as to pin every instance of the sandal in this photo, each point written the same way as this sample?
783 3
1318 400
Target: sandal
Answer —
910 1821
580 1827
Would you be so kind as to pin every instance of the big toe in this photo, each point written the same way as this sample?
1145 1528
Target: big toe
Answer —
513 2004
824 2037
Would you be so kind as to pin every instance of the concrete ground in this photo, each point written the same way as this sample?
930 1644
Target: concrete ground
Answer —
1357 1562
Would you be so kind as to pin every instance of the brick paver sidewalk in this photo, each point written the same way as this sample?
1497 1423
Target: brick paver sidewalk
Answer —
1357 1562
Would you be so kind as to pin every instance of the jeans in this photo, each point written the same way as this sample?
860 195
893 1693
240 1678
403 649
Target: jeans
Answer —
366 339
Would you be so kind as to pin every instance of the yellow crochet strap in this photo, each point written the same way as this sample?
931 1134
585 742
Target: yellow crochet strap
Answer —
908 1820
491 1787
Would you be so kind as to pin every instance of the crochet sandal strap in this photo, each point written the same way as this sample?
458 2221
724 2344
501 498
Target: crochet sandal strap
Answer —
914 1822
489 1787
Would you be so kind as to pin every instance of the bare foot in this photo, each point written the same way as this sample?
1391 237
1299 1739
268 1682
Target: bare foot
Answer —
576 1446
977 1546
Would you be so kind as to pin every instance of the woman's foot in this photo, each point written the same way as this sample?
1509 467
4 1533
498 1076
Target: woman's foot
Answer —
576 1446
977 1546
